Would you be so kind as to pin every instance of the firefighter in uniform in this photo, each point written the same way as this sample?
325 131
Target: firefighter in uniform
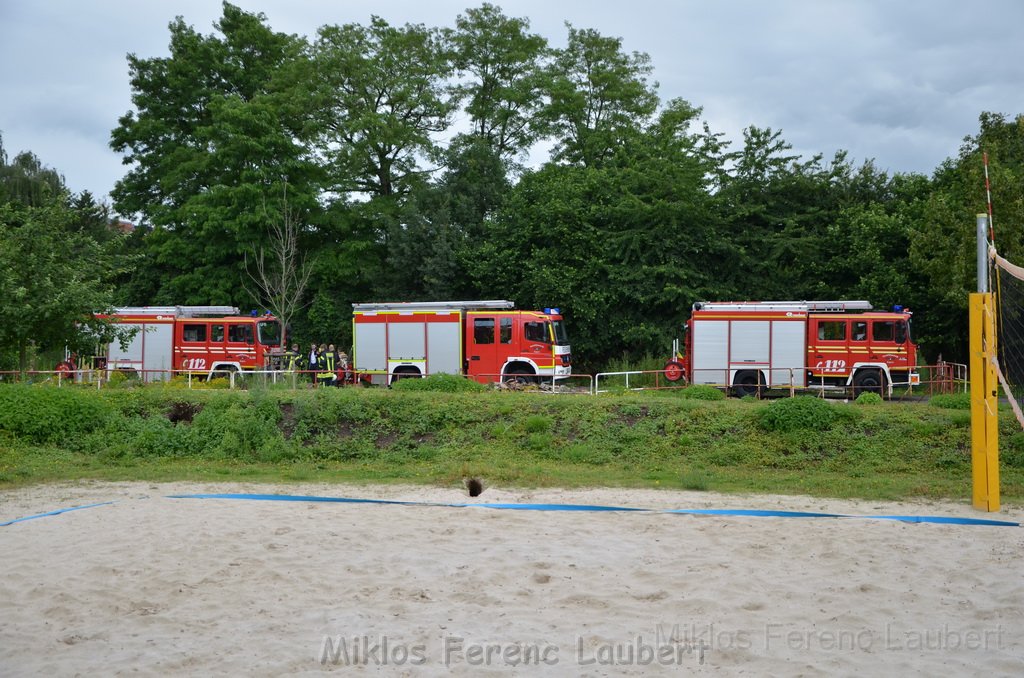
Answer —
291 358
328 364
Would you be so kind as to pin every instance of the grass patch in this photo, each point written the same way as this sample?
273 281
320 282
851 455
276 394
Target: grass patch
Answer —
648 439
695 480
951 401
440 383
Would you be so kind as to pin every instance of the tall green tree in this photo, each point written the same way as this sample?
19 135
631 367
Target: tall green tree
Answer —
219 127
503 87
777 208
597 93
623 248
866 254
382 97
26 180
53 277
500 68
943 245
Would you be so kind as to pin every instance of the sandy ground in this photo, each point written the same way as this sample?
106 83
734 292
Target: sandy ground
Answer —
152 585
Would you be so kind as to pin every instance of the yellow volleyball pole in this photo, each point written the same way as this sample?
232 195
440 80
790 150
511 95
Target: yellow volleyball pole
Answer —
984 386
991 404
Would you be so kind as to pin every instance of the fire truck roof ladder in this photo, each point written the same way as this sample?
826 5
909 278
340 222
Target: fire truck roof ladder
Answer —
179 311
839 306
206 311
820 306
434 305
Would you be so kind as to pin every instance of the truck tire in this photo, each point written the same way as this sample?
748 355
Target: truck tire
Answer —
519 374
869 381
748 383
674 371
221 372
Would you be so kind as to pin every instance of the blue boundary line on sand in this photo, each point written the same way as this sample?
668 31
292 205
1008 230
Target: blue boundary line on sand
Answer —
947 520
54 513
757 513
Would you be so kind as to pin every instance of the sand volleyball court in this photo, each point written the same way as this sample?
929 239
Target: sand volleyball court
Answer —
153 585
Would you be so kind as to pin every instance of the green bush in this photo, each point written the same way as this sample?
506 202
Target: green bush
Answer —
1013 452
952 401
868 398
123 379
701 392
445 383
45 414
799 413
151 437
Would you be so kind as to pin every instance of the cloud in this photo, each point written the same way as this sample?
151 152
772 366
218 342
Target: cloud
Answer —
901 82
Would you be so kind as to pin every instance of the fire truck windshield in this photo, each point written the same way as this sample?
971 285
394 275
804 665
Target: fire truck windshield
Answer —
269 332
561 336
902 332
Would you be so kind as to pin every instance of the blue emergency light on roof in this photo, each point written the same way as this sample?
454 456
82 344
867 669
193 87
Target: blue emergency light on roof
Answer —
897 308
553 311
253 313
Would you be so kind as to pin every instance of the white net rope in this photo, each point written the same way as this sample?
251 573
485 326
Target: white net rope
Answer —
1010 330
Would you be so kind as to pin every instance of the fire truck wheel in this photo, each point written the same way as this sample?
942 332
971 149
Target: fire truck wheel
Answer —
869 381
519 376
748 383
223 372
673 370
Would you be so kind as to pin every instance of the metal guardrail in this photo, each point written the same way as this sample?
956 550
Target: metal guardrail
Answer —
935 379
643 380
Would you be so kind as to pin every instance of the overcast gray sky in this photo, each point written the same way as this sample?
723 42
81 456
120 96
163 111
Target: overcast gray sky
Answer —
898 81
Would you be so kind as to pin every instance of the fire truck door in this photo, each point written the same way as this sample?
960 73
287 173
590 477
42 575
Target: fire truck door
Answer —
482 348
883 346
241 344
829 356
537 341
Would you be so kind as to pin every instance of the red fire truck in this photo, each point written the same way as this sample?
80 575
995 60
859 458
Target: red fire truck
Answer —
203 340
752 345
487 340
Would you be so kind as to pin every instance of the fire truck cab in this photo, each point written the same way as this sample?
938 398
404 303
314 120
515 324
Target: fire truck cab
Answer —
487 340
749 346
